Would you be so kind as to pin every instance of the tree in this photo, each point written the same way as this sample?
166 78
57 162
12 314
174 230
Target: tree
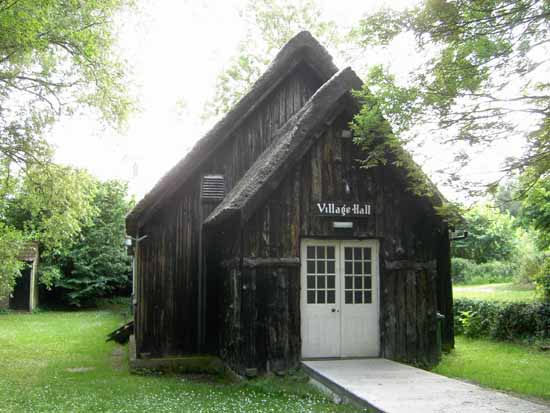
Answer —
535 209
49 204
491 235
484 73
98 263
55 56
270 24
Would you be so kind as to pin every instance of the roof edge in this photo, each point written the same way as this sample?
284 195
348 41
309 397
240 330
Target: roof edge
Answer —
184 169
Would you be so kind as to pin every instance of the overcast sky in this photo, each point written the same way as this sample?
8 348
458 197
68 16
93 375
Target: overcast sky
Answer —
175 50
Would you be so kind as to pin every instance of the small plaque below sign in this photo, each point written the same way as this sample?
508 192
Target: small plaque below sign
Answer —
339 209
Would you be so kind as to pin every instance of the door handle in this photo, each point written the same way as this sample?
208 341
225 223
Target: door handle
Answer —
334 310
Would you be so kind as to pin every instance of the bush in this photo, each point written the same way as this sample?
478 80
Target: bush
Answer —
503 321
542 280
465 271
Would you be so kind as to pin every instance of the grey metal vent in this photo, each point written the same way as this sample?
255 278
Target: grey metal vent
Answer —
212 187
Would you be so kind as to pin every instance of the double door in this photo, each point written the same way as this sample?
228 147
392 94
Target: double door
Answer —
339 298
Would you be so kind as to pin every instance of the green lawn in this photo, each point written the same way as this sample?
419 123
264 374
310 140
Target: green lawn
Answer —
59 362
495 292
511 367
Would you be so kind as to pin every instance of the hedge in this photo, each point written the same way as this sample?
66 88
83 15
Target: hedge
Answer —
501 320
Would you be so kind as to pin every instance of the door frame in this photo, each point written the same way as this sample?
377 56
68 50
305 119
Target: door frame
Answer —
373 243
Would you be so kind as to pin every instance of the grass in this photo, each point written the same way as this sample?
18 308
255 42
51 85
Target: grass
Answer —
510 367
60 362
495 292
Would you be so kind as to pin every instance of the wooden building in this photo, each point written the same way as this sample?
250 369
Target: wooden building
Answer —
24 296
269 243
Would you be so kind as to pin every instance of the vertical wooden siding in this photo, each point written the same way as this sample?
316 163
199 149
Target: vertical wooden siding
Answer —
410 234
166 313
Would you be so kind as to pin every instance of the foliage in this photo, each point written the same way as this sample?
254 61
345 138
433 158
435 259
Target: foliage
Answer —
483 70
535 208
56 57
11 242
542 279
50 204
98 263
490 235
501 320
472 324
510 367
381 146
270 24
468 272
92 375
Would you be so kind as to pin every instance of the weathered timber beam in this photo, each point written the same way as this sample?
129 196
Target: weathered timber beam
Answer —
252 262
410 265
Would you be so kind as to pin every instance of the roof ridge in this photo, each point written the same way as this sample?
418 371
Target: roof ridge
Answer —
291 142
188 165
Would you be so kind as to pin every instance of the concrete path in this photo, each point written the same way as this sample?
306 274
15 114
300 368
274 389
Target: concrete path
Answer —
390 387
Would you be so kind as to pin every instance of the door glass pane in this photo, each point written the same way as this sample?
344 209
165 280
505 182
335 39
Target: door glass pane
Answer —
368 297
368 283
349 268
349 283
347 253
349 297
367 253
320 282
357 286
320 252
321 288
320 297
367 267
321 267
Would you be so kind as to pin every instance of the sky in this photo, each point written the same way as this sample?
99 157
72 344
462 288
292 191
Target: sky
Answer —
175 49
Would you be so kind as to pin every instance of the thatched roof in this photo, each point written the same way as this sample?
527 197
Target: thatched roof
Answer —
293 140
301 48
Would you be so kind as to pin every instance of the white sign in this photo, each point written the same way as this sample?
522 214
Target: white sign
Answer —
332 209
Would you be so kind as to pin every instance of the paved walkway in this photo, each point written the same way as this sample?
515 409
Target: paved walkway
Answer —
390 387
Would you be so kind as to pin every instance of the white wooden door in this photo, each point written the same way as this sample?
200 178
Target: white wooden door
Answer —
339 298
359 299
320 299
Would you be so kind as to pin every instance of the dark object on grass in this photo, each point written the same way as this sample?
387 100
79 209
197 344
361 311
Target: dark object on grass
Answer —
544 348
122 334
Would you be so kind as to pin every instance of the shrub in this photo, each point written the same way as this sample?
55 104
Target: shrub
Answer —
501 320
465 271
542 280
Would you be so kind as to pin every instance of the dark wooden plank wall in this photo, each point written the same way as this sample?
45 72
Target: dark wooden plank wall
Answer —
166 313
410 236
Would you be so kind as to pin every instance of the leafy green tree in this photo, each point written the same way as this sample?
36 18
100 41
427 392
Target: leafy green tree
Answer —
270 23
98 263
484 71
11 242
49 204
491 235
535 209
56 56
